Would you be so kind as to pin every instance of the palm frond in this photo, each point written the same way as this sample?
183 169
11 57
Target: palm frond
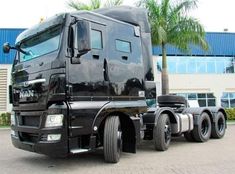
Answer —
184 6
77 5
96 4
111 3
187 31
165 7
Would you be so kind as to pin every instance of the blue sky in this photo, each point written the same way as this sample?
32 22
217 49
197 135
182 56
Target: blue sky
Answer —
215 15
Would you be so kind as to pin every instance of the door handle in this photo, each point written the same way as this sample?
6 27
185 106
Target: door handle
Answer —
105 69
96 56
124 57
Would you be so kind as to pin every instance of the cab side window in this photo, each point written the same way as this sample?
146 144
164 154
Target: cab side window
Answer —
96 39
123 46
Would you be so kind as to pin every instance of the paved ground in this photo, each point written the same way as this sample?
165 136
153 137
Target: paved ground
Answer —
213 157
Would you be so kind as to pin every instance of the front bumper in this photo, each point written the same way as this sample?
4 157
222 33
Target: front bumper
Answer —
30 134
54 149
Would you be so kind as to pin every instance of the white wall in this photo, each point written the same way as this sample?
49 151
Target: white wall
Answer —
202 83
8 67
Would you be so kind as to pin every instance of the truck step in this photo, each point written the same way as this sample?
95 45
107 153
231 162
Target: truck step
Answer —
75 151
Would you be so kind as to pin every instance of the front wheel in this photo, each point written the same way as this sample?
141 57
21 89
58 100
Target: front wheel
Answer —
162 133
112 139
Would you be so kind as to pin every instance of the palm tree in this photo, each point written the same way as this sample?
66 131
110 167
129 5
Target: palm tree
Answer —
94 4
171 24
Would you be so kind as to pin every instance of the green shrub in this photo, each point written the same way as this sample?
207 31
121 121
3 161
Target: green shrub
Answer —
230 113
5 119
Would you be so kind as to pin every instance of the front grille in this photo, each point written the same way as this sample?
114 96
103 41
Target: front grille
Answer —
32 119
28 137
29 121
43 138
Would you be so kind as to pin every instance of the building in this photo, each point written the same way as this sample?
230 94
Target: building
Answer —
6 35
205 76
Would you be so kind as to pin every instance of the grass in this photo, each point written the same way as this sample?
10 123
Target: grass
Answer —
4 127
231 121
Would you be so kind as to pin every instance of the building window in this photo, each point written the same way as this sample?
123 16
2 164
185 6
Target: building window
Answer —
199 65
96 39
228 100
204 99
123 46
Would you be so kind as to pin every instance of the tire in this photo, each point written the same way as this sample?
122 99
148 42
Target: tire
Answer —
112 139
189 136
202 131
219 126
162 133
171 99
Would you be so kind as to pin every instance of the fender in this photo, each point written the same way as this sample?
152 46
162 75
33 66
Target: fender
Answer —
128 108
215 110
151 117
128 112
196 112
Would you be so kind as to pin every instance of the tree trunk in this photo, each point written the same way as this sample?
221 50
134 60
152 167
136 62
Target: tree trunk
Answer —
165 81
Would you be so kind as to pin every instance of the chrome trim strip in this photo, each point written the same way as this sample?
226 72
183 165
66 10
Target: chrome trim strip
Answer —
73 151
30 82
36 81
75 127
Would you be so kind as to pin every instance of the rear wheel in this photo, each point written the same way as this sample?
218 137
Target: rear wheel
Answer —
219 126
162 133
112 139
202 131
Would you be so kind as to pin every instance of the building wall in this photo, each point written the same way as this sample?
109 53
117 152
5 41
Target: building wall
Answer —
6 35
200 72
198 83
5 71
206 83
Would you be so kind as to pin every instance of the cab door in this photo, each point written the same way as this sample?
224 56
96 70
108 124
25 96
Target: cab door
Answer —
98 79
86 75
87 83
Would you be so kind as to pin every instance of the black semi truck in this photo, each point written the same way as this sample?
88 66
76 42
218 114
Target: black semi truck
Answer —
84 80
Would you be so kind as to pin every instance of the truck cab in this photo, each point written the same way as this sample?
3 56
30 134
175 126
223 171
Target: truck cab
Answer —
72 71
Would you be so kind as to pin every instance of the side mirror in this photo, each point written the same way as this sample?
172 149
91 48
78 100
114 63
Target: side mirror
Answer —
83 37
6 47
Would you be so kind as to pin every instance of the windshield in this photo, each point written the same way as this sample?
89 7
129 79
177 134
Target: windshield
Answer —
41 44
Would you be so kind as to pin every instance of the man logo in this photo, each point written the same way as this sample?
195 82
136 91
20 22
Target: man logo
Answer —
25 84
26 94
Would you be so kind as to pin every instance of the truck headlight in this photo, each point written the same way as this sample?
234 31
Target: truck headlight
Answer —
54 120
13 118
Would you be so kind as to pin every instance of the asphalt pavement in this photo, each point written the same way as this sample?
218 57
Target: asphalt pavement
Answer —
213 157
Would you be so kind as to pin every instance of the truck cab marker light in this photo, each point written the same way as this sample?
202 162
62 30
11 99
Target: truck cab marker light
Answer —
95 128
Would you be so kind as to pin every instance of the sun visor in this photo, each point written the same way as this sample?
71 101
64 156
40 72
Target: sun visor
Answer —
50 22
